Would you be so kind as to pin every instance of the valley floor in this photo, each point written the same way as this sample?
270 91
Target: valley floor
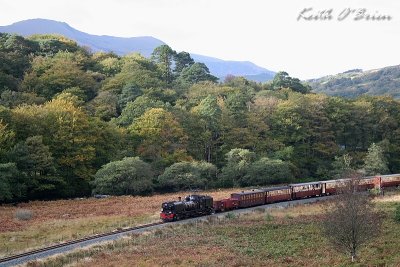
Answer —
278 237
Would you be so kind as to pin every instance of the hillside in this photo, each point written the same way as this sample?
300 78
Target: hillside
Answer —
144 45
353 83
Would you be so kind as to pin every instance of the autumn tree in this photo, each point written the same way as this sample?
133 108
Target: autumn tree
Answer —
350 220
51 75
160 137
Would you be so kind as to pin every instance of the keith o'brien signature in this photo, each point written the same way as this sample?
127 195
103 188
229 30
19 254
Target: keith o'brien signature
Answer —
356 14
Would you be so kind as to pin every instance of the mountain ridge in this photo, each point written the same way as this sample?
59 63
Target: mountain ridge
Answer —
124 45
356 82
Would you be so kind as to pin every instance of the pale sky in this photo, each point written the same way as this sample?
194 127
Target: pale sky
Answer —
262 31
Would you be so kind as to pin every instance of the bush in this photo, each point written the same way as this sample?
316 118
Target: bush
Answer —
130 176
24 215
188 175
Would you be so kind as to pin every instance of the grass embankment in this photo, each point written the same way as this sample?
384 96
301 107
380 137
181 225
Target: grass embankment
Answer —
278 237
57 221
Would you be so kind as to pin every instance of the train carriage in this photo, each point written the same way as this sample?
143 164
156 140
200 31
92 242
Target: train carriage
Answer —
225 204
249 198
277 194
390 180
304 190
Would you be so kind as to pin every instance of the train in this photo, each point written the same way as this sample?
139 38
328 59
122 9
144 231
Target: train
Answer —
200 205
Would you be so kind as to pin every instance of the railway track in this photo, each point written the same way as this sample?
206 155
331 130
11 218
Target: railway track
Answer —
90 240
30 255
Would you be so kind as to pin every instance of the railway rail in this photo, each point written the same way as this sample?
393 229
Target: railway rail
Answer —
11 260
116 234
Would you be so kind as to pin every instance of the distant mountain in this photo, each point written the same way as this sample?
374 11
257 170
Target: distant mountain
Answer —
144 45
353 83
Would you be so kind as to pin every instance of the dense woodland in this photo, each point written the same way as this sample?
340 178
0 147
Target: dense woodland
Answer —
75 123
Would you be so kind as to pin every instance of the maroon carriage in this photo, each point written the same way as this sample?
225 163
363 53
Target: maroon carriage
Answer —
389 180
249 198
225 204
277 194
307 190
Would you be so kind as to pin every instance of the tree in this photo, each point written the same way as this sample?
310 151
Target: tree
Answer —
342 166
237 167
129 176
350 221
137 108
34 159
268 171
12 183
188 175
161 138
51 75
182 60
375 161
197 72
6 139
283 80
163 55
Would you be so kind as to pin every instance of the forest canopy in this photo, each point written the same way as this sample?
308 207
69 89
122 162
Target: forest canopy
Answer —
73 123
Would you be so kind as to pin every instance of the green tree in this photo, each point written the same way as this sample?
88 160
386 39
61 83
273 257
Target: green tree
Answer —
6 140
51 75
195 73
66 130
12 183
137 108
267 171
129 176
188 175
163 55
283 80
210 113
238 162
135 70
161 137
342 166
34 159
128 94
182 60
375 161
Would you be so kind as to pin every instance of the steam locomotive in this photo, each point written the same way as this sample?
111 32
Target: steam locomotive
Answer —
199 205
191 206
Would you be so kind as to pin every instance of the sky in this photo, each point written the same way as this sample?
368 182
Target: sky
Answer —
267 33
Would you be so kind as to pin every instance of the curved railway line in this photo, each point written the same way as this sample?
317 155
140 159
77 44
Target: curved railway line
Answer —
68 246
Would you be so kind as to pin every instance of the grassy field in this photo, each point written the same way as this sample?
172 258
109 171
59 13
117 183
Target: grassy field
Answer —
56 221
278 237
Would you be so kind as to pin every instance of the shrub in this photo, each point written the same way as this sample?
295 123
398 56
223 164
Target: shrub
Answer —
24 215
130 176
187 175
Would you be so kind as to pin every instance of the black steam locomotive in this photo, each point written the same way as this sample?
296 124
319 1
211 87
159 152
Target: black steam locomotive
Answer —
191 206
